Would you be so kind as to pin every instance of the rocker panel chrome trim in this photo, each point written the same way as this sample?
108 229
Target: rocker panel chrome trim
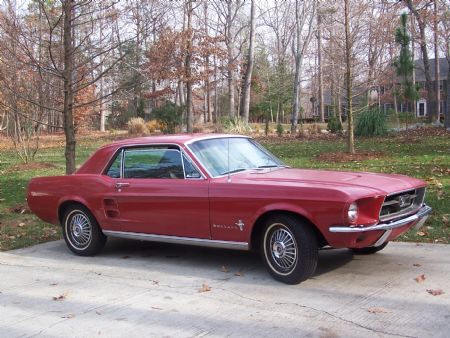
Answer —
178 240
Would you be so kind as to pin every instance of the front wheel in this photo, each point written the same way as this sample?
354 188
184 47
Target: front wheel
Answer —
289 249
369 250
81 231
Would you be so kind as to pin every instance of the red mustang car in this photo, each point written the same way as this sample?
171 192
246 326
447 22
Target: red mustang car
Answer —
226 191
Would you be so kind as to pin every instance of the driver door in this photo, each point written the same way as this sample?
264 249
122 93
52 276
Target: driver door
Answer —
154 195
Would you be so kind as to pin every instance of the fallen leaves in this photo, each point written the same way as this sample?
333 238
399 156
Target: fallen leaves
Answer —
435 292
377 310
422 233
60 297
239 274
68 316
20 209
421 278
224 269
204 288
417 264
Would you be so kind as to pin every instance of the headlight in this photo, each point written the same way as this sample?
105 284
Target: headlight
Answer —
352 212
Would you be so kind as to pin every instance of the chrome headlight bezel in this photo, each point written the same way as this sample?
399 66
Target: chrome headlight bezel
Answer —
352 213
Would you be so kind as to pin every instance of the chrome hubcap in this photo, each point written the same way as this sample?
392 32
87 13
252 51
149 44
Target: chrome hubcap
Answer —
80 230
284 249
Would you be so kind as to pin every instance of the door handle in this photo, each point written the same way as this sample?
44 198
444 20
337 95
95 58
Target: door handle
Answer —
120 185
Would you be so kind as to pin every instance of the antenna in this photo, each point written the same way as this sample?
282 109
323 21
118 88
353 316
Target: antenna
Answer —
228 160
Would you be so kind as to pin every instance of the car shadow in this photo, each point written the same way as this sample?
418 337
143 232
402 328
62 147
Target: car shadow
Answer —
181 259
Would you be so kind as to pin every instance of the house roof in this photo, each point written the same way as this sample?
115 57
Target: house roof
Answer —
420 70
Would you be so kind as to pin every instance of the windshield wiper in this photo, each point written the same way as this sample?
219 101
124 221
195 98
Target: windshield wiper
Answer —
233 171
268 166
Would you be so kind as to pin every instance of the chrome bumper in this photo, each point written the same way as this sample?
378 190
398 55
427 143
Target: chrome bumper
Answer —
420 216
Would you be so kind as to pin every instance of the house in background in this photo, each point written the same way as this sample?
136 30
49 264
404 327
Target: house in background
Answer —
387 100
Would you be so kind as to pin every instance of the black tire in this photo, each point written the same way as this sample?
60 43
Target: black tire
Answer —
81 231
293 259
369 250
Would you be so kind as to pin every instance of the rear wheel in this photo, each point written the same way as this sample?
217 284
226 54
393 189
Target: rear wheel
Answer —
289 249
81 231
369 250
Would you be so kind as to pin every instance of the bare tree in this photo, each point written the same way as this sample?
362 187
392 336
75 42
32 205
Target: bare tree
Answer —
319 62
304 16
436 62
348 78
419 14
245 99
230 28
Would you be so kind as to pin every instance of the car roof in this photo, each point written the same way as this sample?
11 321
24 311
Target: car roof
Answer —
180 139
97 162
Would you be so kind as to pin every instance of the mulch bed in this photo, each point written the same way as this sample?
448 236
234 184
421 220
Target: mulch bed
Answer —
32 166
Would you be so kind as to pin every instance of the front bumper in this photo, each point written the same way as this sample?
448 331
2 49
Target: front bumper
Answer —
418 218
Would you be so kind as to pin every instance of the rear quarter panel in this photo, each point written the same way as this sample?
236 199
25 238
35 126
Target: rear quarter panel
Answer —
46 194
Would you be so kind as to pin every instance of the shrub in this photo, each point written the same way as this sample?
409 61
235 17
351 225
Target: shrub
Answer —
153 126
371 122
169 116
136 125
235 125
312 129
280 129
198 129
334 125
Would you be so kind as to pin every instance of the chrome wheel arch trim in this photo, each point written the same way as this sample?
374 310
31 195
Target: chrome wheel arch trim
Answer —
211 243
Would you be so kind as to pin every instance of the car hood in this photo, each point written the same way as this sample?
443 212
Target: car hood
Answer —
378 183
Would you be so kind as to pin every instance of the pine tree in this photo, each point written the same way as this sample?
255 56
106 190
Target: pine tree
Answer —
404 64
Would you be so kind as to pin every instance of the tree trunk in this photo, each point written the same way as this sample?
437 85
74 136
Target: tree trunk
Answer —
245 99
101 105
436 65
426 62
230 65
447 115
216 97
319 60
207 85
413 58
187 66
348 78
69 129
298 63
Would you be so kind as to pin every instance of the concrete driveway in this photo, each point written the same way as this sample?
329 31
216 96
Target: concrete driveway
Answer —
148 289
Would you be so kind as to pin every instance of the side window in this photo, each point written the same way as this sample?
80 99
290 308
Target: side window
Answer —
189 169
153 163
114 168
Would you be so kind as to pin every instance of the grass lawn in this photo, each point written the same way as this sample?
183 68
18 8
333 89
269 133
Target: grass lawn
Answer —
423 154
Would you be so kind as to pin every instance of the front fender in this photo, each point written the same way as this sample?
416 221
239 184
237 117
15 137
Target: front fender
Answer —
283 206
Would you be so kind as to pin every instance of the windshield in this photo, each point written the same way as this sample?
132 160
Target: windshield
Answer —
244 154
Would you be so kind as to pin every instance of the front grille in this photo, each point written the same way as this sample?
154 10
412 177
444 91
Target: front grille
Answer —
402 203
